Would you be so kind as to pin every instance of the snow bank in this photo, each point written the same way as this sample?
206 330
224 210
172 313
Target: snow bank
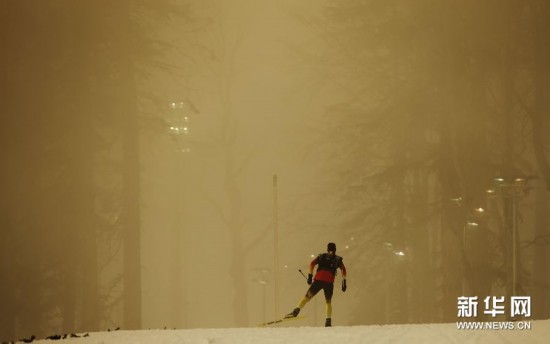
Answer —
411 334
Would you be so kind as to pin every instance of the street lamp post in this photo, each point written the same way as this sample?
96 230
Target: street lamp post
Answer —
393 255
179 125
511 191
276 244
471 218
470 225
263 280
514 244
178 122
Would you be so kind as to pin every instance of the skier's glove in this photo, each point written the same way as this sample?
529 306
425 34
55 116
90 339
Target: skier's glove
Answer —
344 285
309 278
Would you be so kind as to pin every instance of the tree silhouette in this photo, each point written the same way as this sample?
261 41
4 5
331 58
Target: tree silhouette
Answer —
70 95
429 117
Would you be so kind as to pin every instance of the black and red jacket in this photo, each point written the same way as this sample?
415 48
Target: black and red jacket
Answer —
327 263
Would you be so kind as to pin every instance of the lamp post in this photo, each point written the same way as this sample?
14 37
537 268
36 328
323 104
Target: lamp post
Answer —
469 220
276 244
263 280
178 123
470 225
510 190
393 255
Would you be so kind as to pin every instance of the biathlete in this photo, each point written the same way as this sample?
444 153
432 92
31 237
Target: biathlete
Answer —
328 263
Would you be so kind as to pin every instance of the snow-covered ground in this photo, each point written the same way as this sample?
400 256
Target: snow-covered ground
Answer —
411 334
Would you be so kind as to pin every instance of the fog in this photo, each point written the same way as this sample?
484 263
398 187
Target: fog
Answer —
174 164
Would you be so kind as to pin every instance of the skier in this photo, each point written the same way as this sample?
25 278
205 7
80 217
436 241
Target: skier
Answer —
324 279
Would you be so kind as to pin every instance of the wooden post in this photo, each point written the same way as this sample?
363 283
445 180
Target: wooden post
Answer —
276 245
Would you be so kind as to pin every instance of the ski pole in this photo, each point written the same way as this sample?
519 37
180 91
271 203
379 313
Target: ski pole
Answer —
302 274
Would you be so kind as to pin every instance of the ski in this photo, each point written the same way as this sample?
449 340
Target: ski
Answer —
278 321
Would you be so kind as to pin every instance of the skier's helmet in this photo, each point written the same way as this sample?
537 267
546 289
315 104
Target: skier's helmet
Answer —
331 247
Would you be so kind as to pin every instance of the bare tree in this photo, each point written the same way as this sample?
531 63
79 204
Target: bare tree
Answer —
217 47
428 119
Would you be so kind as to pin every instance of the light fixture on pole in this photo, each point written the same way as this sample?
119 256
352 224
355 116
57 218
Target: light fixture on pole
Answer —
511 190
179 123
178 120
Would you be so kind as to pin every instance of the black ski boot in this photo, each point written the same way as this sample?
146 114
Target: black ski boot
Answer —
328 322
294 313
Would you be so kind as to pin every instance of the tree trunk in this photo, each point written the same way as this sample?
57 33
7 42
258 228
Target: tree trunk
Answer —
7 290
541 125
127 108
8 256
